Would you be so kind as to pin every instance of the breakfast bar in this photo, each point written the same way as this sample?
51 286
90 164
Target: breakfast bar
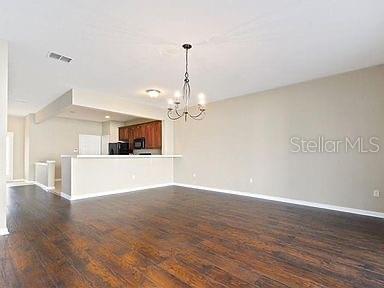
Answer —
85 176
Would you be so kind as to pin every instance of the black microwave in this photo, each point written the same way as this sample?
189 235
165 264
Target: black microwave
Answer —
139 143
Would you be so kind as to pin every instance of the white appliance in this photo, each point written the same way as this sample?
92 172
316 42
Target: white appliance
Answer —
89 144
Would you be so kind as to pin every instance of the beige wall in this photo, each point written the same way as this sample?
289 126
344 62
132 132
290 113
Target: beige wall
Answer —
111 128
3 130
54 137
114 131
16 125
248 137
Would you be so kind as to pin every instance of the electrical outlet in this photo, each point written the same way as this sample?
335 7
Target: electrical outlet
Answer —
194 175
133 176
251 180
376 193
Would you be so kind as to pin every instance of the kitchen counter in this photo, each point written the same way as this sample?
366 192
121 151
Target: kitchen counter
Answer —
85 176
120 156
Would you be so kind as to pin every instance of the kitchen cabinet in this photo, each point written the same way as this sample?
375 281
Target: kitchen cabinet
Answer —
130 134
151 131
157 134
123 134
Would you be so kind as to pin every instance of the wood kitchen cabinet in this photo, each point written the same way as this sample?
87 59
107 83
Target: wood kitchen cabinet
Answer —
151 131
157 134
123 134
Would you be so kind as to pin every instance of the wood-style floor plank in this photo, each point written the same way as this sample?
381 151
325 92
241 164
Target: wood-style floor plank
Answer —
179 237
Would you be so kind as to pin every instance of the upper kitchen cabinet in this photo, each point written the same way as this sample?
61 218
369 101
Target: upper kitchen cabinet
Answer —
157 134
123 134
151 131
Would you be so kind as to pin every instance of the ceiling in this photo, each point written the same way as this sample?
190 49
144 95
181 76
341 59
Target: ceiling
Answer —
85 113
239 47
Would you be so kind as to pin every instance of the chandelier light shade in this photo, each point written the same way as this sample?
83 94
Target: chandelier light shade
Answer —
179 107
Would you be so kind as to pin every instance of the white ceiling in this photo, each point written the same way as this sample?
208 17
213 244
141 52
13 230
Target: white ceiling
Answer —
85 113
124 47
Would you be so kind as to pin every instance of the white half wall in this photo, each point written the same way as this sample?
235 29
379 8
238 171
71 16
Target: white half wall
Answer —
92 176
3 132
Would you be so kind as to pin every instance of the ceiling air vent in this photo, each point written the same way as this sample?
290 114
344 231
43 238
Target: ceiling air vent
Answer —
59 57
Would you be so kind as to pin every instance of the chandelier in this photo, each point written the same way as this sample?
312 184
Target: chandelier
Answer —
176 110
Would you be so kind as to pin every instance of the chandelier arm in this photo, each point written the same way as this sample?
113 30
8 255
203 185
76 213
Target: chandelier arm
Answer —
177 113
197 118
197 115
173 118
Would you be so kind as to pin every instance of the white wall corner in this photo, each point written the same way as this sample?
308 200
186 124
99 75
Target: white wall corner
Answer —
55 107
3 132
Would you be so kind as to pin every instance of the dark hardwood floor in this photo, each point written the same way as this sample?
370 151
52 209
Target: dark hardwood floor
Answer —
178 237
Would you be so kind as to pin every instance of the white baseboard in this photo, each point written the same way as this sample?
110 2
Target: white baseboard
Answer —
66 196
4 231
42 186
105 193
16 180
287 200
247 194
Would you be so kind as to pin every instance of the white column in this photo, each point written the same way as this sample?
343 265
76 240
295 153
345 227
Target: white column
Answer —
3 132
27 166
51 174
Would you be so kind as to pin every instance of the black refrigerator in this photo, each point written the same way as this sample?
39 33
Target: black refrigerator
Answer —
119 148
